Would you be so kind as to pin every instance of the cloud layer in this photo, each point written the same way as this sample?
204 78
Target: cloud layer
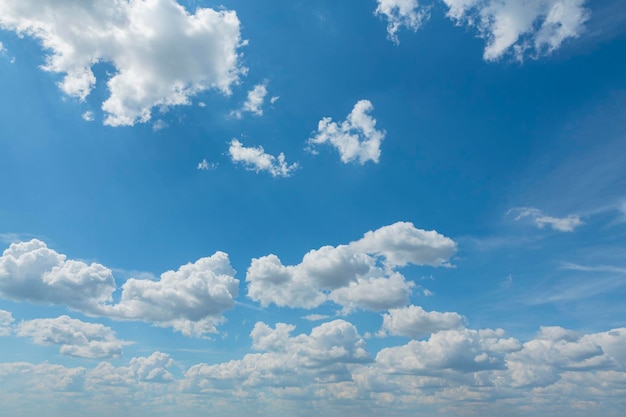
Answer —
162 55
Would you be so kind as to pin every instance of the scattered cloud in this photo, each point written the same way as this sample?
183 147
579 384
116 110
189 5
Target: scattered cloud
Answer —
88 116
414 322
75 337
399 13
6 321
274 99
316 317
511 26
159 124
190 299
255 159
204 165
595 268
254 102
356 138
360 274
562 224
162 54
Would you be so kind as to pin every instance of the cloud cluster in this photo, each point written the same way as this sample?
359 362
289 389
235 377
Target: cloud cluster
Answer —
190 299
398 13
256 159
356 138
414 322
75 337
162 55
560 224
508 26
360 274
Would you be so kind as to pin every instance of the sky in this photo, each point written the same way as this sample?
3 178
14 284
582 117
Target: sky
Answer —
295 208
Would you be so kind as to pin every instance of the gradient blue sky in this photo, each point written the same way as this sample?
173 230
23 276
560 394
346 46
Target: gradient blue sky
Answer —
290 208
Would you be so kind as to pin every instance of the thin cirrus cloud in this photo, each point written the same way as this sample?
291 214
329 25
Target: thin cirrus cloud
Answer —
356 138
520 28
560 224
359 275
162 54
190 299
256 159
74 337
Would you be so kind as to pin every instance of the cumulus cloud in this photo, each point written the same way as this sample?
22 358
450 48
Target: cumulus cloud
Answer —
511 26
88 116
190 299
30 271
254 102
204 165
407 13
414 322
256 159
357 275
560 224
6 320
162 54
75 337
356 138
287 361
150 369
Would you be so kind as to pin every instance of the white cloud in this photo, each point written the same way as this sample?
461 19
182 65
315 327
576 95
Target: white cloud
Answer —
190 299
30 271
414 322
356 138
562 224
255 159
75 337
159 125
357 275
254 102
150 369
400 13
274 99
88 116
6 320
316 317
162 54
512 26
204 165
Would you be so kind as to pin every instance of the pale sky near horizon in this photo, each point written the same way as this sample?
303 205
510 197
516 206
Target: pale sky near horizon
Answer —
289 208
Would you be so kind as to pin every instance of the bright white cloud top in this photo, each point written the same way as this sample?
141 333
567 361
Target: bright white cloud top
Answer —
401 13
356 138
162 55
254 102
256 159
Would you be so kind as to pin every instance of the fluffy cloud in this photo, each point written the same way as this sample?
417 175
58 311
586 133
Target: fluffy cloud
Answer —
162 54
75 337
288 361
561 224
150 369
400 13
519 26
254 102
414 322
357 275
190 299
6 320
356 138
30 271
255 159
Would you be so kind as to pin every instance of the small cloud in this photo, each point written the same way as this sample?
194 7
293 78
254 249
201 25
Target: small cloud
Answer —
204 165
560 224
400 13
316 317
159 125
274 99
507 283
88 116
254 102
427 292
255 159
202 104
356 138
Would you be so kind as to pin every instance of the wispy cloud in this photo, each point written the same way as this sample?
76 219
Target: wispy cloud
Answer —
561 224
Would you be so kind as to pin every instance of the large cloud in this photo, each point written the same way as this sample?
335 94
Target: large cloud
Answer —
75 337
190 299
356 138
357 275
414 322
162 54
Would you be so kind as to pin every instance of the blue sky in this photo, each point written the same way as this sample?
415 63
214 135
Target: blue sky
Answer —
289 208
